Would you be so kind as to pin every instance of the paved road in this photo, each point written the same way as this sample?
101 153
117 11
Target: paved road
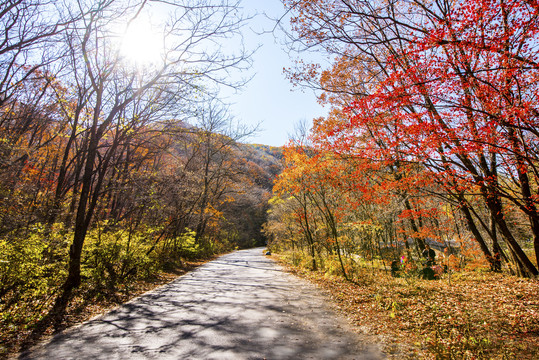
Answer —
240 306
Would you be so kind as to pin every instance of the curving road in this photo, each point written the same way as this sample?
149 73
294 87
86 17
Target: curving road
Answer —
240 306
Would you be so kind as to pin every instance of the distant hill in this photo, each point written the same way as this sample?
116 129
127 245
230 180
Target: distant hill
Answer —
273 151
265 160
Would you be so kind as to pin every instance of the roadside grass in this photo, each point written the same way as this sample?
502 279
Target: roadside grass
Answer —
472 315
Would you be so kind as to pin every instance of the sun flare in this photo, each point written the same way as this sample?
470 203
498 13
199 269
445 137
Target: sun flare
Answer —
141 43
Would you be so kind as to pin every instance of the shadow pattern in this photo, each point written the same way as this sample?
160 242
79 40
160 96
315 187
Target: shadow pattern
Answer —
240 306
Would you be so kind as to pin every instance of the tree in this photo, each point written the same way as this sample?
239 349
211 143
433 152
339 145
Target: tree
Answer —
440 84
30 29
115 98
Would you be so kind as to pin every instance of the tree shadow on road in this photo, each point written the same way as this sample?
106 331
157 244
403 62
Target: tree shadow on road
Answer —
228 309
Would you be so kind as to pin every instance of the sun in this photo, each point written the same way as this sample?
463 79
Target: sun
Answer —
141 43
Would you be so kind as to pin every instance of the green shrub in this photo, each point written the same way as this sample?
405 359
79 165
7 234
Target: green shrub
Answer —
32 267
116 257
189 248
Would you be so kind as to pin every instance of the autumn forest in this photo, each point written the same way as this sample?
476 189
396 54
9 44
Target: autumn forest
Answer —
116 173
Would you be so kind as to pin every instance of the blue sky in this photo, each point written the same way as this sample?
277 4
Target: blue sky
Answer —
269 98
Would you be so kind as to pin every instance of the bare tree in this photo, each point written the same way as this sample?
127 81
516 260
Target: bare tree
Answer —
28 30
115 97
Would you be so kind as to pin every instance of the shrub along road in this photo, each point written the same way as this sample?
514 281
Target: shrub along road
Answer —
240 306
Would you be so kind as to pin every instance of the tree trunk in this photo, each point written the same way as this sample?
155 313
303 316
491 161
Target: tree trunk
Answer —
419 243
522 259
471 225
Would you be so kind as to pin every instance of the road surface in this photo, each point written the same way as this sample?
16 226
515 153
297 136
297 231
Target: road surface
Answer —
240 306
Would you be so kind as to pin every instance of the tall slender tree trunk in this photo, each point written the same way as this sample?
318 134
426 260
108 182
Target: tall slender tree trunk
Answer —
471 225
522 259
82 219
419 243
62 173
308 233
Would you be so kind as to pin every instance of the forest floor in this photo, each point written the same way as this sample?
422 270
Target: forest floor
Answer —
84 305
469 315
